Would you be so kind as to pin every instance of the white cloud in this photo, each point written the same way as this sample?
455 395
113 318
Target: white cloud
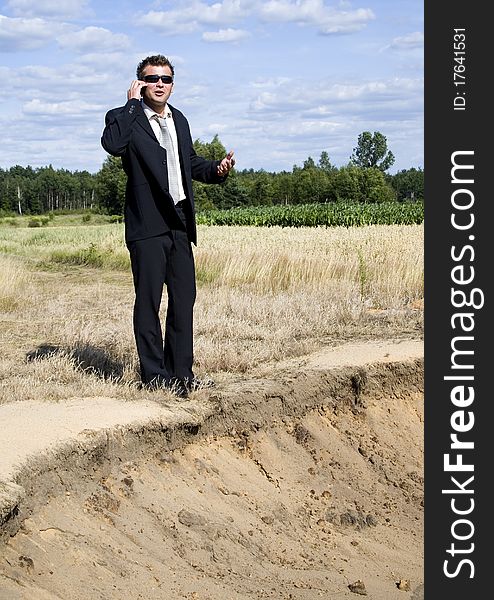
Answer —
74 78
323 96
60 9
192 94
94 39
52 141
408 42
27 34
315 12
346 22
65 94
225 35
269 82
171 22
191 15
70 108
228 11
117 60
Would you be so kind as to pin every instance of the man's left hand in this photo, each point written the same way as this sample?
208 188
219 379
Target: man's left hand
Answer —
226 164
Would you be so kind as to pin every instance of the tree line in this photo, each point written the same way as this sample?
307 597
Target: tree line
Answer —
25 190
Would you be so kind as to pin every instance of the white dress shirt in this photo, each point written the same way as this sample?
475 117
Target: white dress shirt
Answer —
149 112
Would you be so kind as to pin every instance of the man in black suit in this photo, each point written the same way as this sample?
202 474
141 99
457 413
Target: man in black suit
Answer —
153 138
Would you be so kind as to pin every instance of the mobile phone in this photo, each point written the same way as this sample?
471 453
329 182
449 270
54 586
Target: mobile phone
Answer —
142 89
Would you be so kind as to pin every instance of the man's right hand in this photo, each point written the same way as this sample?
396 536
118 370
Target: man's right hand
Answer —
135 89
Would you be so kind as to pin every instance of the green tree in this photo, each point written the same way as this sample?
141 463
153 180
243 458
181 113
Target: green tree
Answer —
325 163
260 191
87 189
213 150
408 184
234 192
347 184
48 185
374 187
282 188
372 152
309 183
5 206
111 182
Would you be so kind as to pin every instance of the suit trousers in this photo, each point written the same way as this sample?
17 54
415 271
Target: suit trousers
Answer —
164 260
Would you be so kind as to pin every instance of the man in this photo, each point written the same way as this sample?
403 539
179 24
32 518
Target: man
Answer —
153 138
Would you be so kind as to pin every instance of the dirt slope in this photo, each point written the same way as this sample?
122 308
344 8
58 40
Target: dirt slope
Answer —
305 483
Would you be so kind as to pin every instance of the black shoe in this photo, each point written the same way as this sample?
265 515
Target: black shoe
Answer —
194 384
176 386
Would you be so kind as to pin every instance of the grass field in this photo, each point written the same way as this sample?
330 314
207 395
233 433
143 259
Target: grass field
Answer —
264 294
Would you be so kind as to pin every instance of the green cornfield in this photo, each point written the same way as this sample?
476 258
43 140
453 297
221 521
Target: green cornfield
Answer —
333 214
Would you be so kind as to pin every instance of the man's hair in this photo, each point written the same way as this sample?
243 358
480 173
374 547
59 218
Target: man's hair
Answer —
157 60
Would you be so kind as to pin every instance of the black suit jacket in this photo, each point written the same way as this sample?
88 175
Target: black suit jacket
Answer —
149 208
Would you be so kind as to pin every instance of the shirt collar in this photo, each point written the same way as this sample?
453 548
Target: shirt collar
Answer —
149 112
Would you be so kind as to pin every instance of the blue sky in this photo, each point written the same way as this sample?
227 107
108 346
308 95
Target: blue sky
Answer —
278 81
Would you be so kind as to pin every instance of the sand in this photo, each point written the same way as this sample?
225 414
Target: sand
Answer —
303 482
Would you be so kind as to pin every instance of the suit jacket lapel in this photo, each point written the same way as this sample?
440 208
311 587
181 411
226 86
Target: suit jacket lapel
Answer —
181 135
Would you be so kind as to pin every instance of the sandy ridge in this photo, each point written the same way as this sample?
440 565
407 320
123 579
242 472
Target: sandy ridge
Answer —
35 433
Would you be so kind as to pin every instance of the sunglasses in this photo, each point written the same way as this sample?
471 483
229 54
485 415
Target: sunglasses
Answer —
156 78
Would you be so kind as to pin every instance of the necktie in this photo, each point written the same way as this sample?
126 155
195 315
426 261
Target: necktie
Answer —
167 144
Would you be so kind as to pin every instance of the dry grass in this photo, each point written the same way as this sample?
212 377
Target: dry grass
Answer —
386 262
91 245
13 278
264 295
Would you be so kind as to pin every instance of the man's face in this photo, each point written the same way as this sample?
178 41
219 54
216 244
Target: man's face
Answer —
157 94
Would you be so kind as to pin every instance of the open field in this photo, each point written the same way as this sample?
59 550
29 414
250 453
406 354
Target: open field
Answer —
264 294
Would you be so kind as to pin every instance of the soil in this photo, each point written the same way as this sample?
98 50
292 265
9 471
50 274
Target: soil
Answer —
304 482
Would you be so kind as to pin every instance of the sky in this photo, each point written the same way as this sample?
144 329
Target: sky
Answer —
278 81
